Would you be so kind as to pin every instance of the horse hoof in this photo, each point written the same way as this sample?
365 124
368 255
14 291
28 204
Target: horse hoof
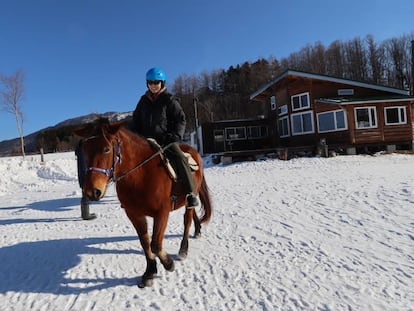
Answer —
197 235
182 255
146 283
170 266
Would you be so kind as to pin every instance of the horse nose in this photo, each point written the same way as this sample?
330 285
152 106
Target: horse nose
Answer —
97 194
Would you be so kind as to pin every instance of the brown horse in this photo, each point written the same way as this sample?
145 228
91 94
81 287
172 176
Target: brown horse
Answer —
143 184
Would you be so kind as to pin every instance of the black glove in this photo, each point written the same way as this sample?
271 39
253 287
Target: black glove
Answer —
170 138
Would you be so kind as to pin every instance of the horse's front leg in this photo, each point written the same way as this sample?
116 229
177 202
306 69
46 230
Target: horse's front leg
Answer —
140 225
188 217
148 276
160 224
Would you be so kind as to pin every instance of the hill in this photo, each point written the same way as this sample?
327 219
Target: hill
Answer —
12 146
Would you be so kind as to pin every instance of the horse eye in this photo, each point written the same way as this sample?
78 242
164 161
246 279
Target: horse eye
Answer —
107 150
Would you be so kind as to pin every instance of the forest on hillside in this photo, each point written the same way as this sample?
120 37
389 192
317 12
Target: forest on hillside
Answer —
224 94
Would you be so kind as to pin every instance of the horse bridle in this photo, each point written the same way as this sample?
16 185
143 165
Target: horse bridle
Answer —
110 172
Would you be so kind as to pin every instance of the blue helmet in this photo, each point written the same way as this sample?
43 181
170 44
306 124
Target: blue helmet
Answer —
156 73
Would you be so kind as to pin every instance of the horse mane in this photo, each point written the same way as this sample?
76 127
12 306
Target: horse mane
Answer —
100 126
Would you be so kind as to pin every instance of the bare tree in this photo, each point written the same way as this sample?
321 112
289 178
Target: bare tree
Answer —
355 59
12 94
335 59
375 59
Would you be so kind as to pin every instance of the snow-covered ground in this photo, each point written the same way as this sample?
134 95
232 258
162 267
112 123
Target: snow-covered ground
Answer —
304 234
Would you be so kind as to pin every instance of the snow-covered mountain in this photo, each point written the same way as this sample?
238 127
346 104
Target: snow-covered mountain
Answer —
113 116
7 146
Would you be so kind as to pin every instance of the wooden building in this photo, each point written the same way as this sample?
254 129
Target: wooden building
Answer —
309 109
232 138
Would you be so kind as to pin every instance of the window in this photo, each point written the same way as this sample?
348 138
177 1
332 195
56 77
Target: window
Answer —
273 102
366 117
218 136
332 121
283 126
344 92
258 131
395 115
282 110
235 133
300 101
302 123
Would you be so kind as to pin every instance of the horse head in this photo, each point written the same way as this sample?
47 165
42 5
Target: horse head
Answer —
101 148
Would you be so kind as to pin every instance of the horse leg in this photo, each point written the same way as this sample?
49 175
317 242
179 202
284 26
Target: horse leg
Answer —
197 225
160 224
140 225
188 216
148 276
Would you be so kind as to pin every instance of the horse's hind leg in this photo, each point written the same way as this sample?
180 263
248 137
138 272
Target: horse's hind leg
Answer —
140 225
197 225
188 217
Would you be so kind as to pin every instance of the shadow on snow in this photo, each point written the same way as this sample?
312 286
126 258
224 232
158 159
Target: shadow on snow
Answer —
40 266
54 205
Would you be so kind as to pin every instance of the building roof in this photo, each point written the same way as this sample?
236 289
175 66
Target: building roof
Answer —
329 79
357 100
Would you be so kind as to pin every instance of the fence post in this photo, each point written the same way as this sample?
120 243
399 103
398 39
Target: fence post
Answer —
42 157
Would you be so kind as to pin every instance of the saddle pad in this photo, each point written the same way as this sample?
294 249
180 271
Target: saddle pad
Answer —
193 164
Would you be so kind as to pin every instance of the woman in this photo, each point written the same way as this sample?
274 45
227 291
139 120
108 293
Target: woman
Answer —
159 115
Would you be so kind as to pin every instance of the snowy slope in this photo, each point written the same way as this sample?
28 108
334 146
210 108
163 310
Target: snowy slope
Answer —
304 234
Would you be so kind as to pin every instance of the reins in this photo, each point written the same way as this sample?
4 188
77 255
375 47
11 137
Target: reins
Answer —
110 172
159 152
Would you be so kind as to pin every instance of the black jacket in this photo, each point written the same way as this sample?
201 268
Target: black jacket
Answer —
161 118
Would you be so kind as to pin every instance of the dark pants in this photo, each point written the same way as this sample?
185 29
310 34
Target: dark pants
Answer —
81 161
180 162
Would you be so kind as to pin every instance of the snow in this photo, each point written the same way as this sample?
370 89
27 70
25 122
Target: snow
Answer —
304 234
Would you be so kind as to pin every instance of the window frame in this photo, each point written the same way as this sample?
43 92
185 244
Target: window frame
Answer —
282 135
370 110
262 129
228 135
400 108
312 131
218 138
299 96
336 129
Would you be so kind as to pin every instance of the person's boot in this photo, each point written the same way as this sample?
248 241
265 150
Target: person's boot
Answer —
85 210
192 201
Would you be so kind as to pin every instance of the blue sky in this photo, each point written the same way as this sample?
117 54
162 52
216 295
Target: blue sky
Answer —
86 56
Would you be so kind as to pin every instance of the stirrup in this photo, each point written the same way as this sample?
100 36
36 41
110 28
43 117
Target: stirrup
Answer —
192 201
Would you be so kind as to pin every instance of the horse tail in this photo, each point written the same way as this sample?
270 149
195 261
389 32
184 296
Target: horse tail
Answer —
205 202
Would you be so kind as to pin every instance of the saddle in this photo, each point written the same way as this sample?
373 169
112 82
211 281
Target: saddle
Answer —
167 162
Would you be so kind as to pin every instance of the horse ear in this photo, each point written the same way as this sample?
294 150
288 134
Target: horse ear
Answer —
114 127
83 131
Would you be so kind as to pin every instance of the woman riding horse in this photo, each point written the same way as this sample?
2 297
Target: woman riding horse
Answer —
158 115
143 183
